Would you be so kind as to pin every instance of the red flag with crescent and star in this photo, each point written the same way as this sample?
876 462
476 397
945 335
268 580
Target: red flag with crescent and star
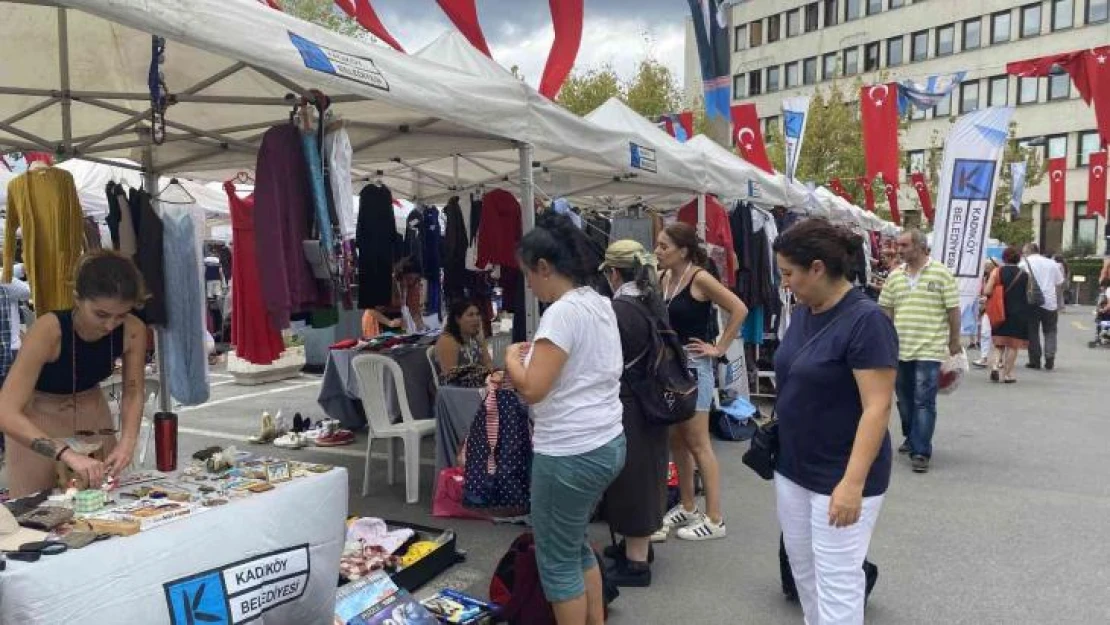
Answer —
922 189
1057 187
838 188
891 190
879 117
1090 72
749 138
1096 184
868 193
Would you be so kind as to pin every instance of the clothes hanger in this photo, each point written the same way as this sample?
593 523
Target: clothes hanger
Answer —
175 183
243 177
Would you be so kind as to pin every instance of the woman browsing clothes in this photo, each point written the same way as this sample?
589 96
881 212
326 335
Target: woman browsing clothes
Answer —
690 293
51 405
571 379
461 344
835 369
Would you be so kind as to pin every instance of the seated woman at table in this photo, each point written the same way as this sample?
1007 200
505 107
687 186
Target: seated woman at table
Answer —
406 295
52 398
461 345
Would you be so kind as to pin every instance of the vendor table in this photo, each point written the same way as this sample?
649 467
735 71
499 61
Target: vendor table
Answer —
455 410
339 390
272 556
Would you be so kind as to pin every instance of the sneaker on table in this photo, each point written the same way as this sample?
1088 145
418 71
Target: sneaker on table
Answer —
705 529
680 517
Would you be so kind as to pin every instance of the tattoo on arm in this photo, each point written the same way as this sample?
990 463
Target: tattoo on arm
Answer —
44 447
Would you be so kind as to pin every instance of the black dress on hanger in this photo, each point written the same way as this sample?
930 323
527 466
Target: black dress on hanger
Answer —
377 241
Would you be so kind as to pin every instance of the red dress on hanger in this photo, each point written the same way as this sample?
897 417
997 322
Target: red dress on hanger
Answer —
255 338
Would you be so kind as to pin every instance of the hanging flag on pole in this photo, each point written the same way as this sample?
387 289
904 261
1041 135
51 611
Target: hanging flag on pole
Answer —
711 34
1090 72
868 193
795 111
965 197
1057 187
1096 184
749 137
922 189
926 95
879 117
1017 182
891 191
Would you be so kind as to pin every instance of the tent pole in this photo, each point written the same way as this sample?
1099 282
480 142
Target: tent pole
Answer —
63 74
528 220
150 182
701 216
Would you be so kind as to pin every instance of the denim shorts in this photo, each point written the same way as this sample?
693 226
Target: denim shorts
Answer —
702 367
565 490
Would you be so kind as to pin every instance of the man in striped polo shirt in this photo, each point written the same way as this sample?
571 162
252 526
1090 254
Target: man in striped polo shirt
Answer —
922 299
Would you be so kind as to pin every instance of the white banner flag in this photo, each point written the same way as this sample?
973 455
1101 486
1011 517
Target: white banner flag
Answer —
795 111
968 183
1017 182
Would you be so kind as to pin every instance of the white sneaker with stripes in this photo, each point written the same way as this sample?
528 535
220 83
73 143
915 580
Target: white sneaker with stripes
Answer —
704 529
680 517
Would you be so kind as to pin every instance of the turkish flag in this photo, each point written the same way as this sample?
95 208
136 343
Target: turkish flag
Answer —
1057 187
668 124
868 193
749 138
1096 184
566 17
838 188
464 15
1097 66
918 180
686 118
891 190
364 14
879 116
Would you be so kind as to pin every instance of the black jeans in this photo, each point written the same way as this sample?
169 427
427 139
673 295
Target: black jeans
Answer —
1047 320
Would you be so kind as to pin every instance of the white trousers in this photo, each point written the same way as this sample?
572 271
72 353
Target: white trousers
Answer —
827 561
985 336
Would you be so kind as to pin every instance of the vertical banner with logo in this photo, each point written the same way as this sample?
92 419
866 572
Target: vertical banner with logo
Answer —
1017 190
965 198
1057 187
711 34
1096 184
795 111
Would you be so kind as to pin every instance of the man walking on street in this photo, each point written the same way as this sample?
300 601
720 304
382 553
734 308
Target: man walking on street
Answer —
1048 276
922 299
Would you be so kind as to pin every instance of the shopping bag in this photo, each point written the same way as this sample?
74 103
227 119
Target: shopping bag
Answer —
447 500
952 372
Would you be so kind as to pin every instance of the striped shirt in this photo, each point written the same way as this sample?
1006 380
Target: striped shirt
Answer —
920 304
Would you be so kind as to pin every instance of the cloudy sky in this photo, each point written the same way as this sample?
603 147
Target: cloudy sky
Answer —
620 32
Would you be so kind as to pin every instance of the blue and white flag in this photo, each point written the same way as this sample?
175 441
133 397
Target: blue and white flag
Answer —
711 35
1017 185
928 94
795 112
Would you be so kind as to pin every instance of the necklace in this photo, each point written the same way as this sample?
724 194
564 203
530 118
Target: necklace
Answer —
670 293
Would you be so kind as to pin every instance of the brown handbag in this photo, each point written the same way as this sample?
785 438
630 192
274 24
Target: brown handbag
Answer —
996 302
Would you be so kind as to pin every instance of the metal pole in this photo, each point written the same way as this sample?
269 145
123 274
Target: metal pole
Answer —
150 183
528 220
63 74
701 216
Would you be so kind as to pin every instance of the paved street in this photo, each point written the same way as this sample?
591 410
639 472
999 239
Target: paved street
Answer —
1008 527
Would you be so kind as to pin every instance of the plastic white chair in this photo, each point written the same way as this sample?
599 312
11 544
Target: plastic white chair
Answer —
431 352
370 371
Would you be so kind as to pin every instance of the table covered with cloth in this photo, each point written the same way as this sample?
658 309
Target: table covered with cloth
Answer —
271 556
339 390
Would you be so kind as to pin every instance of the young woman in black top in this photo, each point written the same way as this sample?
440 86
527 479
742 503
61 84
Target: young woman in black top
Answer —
51 403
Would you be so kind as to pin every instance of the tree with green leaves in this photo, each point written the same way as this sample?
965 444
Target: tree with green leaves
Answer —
1004 227
326 14
584 91
651 91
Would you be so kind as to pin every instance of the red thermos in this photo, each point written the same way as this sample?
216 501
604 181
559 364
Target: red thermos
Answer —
165 441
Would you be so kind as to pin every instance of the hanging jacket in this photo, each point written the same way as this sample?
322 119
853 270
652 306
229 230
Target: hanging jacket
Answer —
454 250
500 230
378 245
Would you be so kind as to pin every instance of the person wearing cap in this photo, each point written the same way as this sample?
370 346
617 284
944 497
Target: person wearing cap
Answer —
633 504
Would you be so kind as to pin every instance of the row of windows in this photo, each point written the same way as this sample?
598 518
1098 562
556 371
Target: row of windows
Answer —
848 62
828 13
1054 146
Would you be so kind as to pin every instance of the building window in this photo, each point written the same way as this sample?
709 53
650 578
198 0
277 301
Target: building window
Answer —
755 34
794 23
894 52
755 83
897 4
1059 86
943 108
813 17
997 91
1086 228
809 71
973 34
740 38
1030 20
1063 14
874 7
852 10
774 28
969 96
871 57
946 40
1098 11
828 63
832 10
739 88
772 79
1028 90
851 61
916 161
792 75
1088 143
1000 27
1057 146
919 46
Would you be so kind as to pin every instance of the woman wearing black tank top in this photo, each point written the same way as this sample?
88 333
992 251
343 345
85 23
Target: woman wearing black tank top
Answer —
689 293
51 403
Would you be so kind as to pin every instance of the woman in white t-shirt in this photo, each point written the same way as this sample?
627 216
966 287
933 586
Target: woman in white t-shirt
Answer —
571 377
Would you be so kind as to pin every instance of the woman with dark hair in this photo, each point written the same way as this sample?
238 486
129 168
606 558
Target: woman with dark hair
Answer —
689 294
634 503
570 375
835 371
1012 335
461 344
406 297
51 406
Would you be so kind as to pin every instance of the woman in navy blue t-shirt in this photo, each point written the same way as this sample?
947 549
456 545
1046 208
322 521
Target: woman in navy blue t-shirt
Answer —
835 371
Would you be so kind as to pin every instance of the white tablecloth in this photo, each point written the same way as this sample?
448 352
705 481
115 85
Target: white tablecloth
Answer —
247 556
